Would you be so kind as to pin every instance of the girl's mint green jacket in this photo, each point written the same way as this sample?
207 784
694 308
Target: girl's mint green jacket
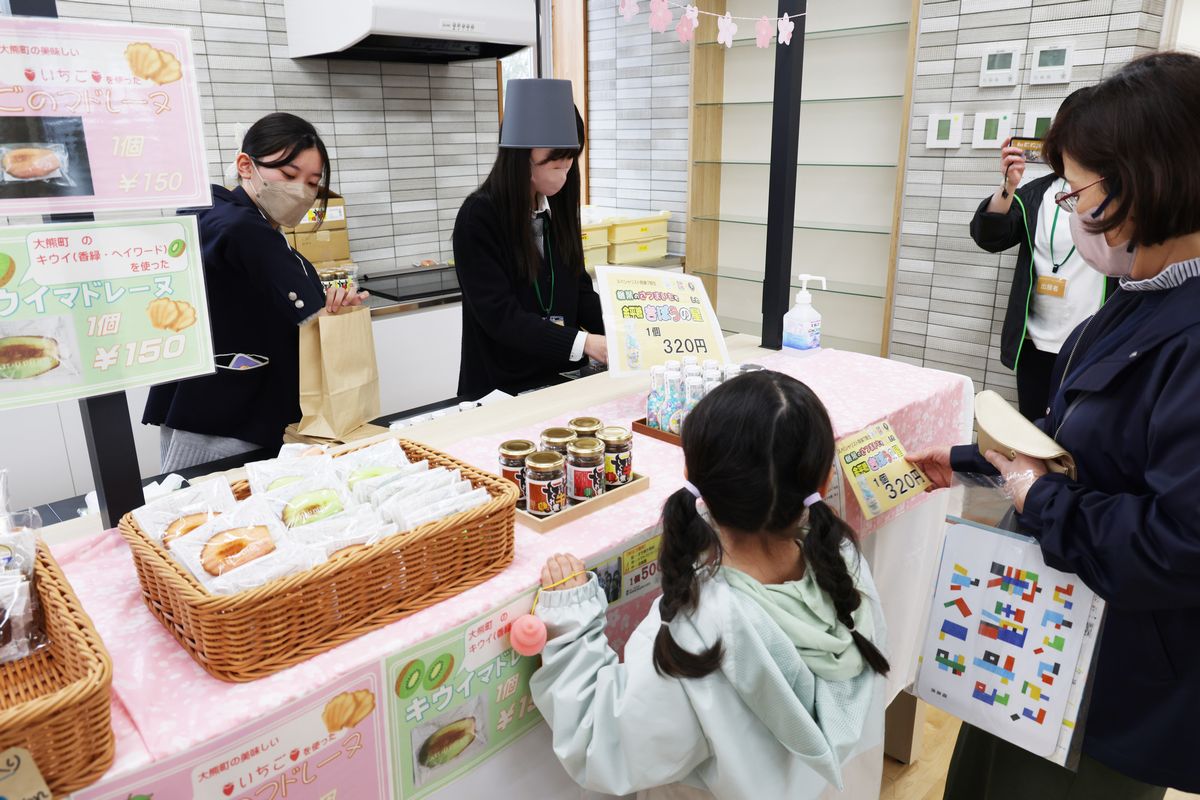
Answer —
791 703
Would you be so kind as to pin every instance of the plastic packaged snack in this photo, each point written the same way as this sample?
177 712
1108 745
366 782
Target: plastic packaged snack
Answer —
386 453
273 474
22 162
42 349
401 508
363 482
377 491
20 629
309 501
351 530
181 512
445 508
243 549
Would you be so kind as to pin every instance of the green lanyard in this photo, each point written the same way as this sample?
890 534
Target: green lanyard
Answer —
1054 226
550 258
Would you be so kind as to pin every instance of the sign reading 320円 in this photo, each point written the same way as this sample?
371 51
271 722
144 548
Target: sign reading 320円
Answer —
98 117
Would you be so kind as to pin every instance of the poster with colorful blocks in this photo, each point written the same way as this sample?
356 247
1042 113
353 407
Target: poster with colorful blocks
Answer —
1009 640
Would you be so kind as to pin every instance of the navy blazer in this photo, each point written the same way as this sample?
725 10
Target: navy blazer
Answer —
1130 525
259 291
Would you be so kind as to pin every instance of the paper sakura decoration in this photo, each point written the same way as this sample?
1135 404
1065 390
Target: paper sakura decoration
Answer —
686 29
786 26
727 30
764 32
629 9
660 16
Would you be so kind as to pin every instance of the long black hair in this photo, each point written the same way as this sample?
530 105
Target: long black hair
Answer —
293 135
755 447
508 188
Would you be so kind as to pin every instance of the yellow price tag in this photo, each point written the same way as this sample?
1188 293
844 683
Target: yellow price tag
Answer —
879 474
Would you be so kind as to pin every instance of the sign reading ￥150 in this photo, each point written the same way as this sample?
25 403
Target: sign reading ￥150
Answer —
91 308
98 117
652 317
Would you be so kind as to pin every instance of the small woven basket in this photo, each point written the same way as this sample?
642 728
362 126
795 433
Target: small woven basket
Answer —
252 634
56 702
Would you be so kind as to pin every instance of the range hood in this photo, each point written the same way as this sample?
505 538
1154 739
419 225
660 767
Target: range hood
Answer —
419 31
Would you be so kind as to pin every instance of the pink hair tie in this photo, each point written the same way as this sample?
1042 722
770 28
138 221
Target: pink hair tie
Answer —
812 499
692 490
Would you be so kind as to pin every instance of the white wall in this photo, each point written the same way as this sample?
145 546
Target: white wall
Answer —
1187 31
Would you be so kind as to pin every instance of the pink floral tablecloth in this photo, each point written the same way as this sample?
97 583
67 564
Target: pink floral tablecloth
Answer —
165 704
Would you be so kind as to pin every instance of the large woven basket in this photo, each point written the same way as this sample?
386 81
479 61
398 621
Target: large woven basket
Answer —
252 634
55 703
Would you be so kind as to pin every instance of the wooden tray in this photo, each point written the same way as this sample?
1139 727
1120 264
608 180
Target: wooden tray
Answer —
640 483
640 426
246 636
55 703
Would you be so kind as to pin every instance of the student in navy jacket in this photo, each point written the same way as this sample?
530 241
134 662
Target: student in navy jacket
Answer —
260 291
1127 406
529 310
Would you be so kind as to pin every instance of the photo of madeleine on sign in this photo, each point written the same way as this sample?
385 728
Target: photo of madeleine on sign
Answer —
1031 149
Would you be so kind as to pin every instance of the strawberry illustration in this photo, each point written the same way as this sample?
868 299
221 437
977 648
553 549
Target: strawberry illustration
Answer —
96 76
30 74
227 789
295 754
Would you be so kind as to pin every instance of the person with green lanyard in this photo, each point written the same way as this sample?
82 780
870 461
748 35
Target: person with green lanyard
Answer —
529 311
1053 288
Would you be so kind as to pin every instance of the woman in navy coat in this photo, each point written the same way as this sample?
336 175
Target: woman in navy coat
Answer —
1127 407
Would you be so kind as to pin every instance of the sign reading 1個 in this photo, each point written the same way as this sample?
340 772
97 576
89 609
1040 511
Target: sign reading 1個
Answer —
91 308
98 117
652 317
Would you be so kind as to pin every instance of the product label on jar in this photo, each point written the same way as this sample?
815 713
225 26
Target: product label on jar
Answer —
584 483
618 468
546 497
517 476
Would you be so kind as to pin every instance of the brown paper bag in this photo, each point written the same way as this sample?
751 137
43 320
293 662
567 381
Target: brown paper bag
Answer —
339 381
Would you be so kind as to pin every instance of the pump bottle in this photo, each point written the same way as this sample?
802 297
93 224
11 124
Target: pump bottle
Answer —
802 325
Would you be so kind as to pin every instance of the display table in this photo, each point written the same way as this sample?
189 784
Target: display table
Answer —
181 733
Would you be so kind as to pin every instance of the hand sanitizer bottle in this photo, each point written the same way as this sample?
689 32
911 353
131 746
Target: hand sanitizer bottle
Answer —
802 325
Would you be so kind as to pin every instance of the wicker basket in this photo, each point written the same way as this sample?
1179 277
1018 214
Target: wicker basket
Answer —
252 634
55 703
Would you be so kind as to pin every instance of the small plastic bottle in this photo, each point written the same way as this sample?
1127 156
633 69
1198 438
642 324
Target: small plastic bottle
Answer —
802 325
671 416
654 401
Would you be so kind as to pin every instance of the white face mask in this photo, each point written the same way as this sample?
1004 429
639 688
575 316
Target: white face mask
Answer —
284 202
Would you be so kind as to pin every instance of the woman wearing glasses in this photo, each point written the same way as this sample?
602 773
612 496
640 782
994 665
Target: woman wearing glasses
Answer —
1126 405
1053 290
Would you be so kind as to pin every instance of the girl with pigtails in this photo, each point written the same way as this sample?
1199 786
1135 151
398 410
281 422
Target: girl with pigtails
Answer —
759 673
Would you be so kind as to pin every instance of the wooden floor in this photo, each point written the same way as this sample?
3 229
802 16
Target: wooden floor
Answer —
926 779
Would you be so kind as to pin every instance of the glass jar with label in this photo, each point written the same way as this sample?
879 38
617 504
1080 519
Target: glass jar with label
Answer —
618 455
585 470
585 427
556 440
545 483
512 462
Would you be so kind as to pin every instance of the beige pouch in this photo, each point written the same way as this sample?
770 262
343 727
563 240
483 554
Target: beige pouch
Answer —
1002 428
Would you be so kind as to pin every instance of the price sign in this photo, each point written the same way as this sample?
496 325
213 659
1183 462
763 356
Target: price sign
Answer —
92 308
652 317
98 117
874 464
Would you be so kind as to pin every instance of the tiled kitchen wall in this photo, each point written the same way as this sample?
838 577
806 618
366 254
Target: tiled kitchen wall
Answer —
638 88
951 296
408 142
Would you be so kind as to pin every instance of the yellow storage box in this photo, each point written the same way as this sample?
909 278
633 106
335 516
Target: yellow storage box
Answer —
638 252
629 228
595 234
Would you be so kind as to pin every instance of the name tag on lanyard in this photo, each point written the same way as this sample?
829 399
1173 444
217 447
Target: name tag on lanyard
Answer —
557 320
1051 286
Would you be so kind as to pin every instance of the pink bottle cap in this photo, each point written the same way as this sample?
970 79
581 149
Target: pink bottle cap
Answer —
528 635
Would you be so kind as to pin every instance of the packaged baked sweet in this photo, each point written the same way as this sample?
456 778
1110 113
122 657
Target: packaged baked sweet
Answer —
352 465
309 500
400 505
382 492
358 527
366 482
444 508
243 549
182 511
273 474
35 161
20 633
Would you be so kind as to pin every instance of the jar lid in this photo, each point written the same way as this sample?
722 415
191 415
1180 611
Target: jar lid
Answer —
558 435
586 446
544 460
517 448
585 423
614 435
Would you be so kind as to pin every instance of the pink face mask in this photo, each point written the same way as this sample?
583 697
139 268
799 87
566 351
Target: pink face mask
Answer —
1115 262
